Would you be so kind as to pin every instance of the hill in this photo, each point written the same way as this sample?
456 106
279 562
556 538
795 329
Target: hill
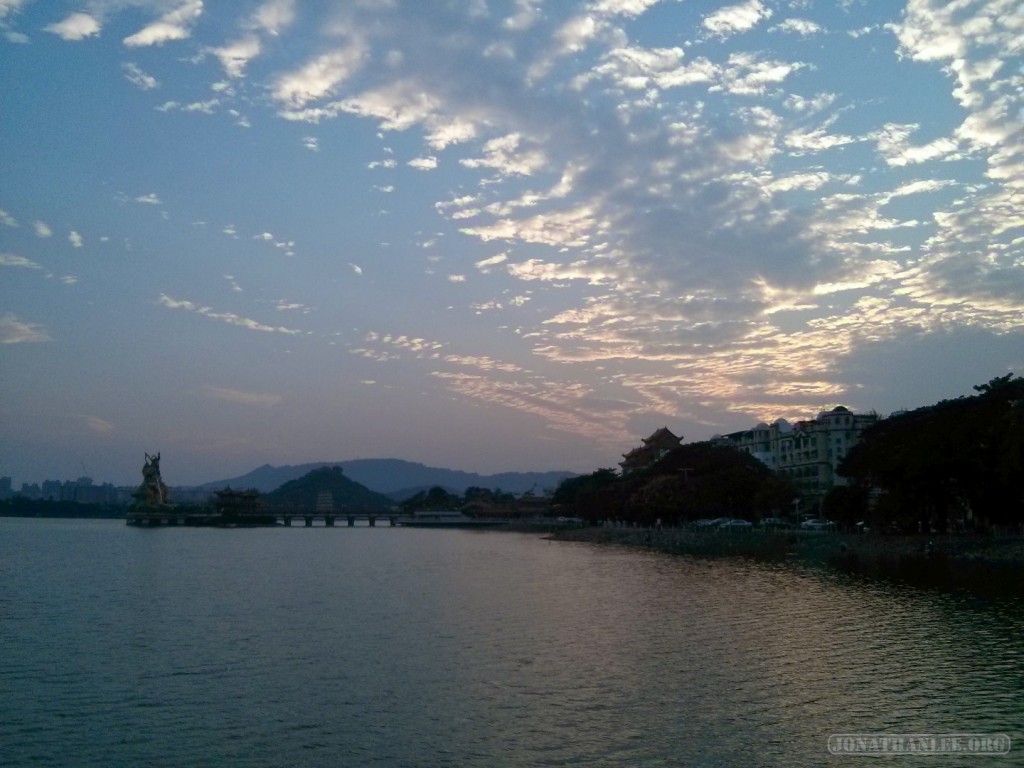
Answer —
304 492
397 478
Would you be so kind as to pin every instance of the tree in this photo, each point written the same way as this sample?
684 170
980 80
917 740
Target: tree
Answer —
587 496
692 481
956 462
437 498
846 505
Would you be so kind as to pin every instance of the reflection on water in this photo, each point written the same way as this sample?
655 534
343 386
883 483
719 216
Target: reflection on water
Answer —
410 647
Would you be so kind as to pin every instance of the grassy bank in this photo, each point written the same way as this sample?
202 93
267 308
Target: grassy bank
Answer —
979 564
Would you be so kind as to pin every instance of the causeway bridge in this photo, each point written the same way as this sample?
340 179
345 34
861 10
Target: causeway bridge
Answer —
331 518
169 516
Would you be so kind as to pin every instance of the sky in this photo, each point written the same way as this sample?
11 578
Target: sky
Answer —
493 235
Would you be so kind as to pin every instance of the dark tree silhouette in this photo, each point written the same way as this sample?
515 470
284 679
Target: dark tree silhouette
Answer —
956 464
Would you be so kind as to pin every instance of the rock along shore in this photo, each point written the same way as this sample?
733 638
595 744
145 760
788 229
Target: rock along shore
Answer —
980 564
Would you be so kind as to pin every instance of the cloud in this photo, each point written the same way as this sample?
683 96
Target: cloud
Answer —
97 424
693 217
225 317
318 77
41 228
7 220
893 143
814 104
151 199
16 331
736 18
10 260
274 17
134 75
75 239
801 27
77 26
235 56
173 25
292 306
504 155
10 8
484 264
241 397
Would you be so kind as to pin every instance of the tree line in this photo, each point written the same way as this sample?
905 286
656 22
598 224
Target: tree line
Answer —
957 465
693 481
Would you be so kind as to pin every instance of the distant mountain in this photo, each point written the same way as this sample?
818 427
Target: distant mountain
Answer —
305 492
395 476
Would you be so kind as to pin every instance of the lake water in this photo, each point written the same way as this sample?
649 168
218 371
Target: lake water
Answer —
400 647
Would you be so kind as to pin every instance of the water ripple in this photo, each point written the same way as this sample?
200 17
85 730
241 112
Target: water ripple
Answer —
423 648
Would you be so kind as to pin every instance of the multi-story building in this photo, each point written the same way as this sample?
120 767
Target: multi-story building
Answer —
654 447
808 452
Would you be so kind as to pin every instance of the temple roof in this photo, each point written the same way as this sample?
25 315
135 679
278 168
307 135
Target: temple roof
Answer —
662 434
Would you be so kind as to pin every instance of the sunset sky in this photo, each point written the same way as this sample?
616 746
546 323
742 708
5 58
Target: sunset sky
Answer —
493 235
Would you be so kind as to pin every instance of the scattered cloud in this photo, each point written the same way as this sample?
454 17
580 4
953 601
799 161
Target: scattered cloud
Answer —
801 27
235 56
77 26
319 77
736 18
273 17
241 396
76 240
13 330
134 75
42 229
176 24
96 424
225 317
428 163
706 220
484 265
10 260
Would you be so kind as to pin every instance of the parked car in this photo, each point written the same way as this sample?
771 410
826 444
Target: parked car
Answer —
734 523
706 523
817 525
775 522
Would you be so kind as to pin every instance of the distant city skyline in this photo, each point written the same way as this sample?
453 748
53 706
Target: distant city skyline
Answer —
493 235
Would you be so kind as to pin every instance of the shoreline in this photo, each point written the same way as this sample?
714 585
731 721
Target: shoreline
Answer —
982 565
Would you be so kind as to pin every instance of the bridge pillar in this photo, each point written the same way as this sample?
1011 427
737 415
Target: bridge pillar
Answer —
329 521
309 521
351 521
372 519
392 521
287 521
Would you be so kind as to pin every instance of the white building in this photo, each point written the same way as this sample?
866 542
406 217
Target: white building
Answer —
808 452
